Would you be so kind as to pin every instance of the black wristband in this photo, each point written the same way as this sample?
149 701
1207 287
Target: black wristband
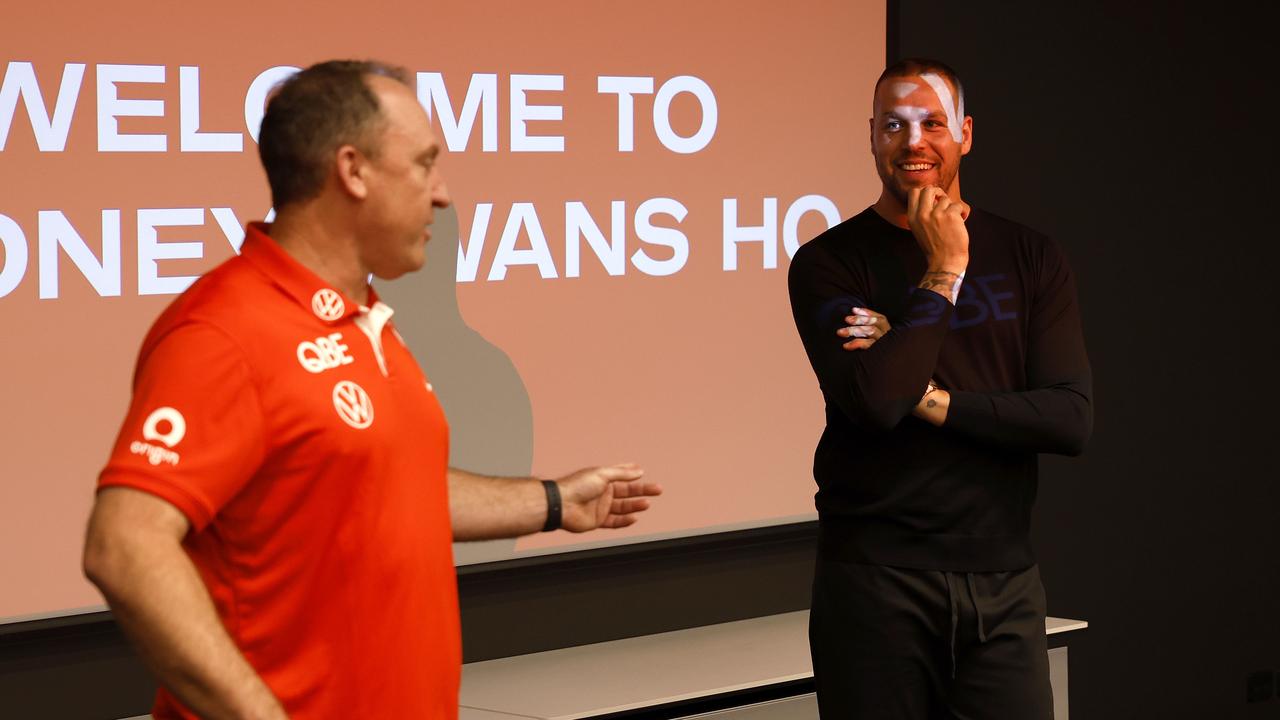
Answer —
553 505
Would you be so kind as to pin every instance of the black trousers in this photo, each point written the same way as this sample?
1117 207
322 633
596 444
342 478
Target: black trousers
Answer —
892 643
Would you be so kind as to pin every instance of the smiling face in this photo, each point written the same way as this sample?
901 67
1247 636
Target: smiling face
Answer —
918 133
404 185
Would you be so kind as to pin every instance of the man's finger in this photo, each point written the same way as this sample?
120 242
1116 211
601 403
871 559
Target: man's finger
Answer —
859 344
913 202
621 471
928 199
862 319
618 521
862 331
943 205
627 506
866 312
636 488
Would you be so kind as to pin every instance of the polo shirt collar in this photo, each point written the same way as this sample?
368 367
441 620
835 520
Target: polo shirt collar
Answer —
305 287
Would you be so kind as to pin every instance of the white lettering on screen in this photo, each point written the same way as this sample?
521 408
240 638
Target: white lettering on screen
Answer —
766 233
522 112
481 100
626 88
191 139
56 232
50 131
150 249
579 224
111 108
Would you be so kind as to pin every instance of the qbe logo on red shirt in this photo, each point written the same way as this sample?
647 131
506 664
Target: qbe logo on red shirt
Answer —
324 353
353 404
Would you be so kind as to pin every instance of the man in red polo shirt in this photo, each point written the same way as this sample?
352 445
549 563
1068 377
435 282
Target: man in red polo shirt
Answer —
273 527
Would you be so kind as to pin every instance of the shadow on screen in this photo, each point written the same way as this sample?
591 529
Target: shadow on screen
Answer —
490 418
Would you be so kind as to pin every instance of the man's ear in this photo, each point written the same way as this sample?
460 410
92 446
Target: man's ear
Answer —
871 127
351 166
966 130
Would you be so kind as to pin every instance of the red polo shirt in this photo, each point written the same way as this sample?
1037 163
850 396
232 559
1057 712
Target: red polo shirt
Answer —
295 431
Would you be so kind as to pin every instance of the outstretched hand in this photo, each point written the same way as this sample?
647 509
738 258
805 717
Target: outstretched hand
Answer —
604 497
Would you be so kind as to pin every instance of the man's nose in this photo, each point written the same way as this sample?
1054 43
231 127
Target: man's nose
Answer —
915 139
440 195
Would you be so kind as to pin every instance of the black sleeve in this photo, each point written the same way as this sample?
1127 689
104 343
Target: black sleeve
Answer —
877 387
1055 413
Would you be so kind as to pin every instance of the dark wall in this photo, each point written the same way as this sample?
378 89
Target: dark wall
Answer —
1134 133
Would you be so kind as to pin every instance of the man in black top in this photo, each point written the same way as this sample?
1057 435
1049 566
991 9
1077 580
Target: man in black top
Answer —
948 347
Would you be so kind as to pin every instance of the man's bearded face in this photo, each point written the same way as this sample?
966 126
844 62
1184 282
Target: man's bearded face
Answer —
918 133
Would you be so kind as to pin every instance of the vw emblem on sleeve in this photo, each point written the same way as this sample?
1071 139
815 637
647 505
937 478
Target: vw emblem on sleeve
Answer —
353 404
327 304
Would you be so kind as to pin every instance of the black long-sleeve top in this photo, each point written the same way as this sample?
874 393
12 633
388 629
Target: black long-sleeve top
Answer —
893 489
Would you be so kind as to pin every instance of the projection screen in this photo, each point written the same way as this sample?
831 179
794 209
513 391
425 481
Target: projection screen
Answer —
629 182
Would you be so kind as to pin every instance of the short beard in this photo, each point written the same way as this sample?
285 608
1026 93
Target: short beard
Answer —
895 189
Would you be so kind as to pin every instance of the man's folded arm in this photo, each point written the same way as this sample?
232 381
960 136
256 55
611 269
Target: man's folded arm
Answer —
879 386
1056 419
1055 413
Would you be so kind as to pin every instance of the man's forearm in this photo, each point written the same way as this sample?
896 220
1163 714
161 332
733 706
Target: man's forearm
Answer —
157 597
486 508
1049 420
933 405
879 386
944 282
1055 420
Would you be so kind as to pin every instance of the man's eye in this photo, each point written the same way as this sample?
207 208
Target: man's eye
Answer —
933 124
892 125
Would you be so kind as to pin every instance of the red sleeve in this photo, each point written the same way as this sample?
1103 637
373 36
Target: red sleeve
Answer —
193 435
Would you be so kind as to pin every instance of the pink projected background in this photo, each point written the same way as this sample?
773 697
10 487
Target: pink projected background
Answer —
629 181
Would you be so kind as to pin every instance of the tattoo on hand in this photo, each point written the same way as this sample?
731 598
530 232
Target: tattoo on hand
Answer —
932 404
